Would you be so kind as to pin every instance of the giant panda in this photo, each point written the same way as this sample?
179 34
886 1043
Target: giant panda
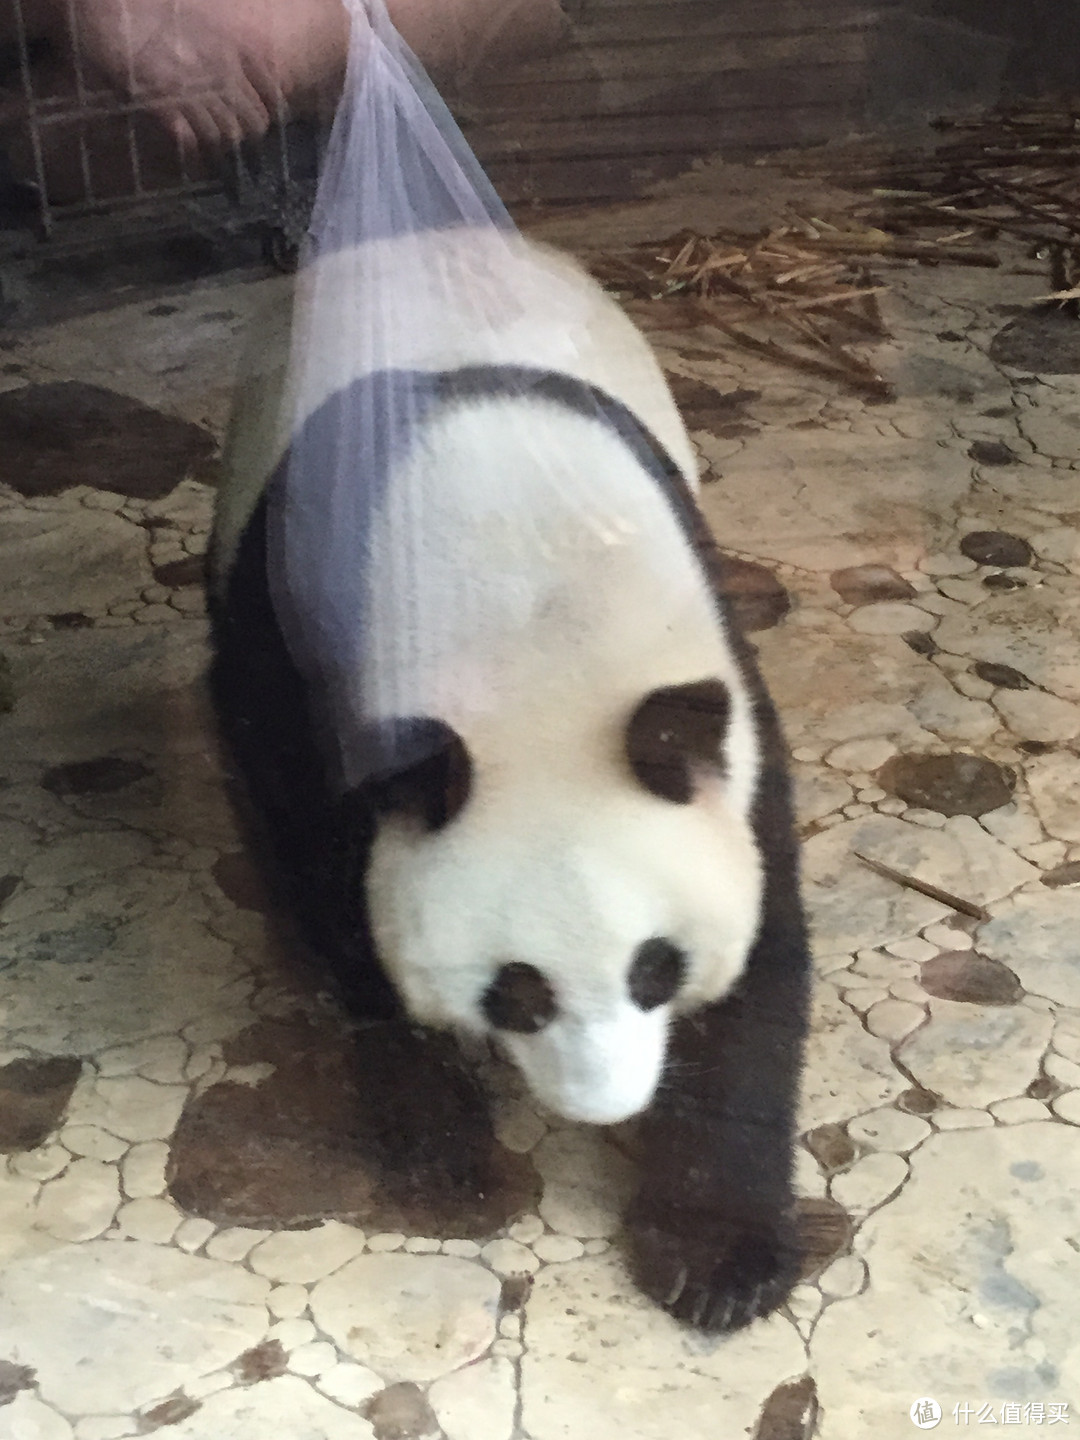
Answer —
595 866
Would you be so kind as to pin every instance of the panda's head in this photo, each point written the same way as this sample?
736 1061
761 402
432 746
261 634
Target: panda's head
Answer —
569 901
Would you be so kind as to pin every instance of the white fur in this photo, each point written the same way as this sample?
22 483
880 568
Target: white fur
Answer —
560 859
441 300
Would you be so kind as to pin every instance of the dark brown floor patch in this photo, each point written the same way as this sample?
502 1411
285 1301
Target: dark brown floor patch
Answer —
970 978
1044 1088
7 688
191 570
831 1147
756 596
1045 341
870 585
265 1361
8 885
955 784
400 1412
169 1412
103 776
377 1126
790 1412
1004 677
703 407
71 620
996 547
14 1378
1036 747
515 1291
825 1231
64 434
920 642
992 452
1061 877
238 879
33 1097
917 1101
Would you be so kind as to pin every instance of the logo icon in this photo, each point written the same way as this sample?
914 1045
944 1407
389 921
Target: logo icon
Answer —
925 1414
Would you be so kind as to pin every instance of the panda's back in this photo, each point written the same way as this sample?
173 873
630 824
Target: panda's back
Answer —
542 568
539 309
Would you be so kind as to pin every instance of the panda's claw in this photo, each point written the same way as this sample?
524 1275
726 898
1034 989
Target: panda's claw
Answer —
719 1276
677 1288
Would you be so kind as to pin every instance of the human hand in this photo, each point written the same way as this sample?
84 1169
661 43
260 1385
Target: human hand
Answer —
214 74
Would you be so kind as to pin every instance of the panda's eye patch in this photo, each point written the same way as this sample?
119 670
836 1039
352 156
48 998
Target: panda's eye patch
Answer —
658 969
519 999
674 731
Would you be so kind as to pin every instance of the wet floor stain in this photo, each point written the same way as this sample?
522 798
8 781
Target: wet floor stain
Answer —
1044 1088
265 1361
377 1125
992 452
14 1378
757 597
918 1101
34 1095
1003 677
831 1147
825 1232
71 620
1036 747
400 1412
60 435
790 1412
1061 877
7 688
8 885
102 776
996 547
970 978
919 641
955 784
176 574
703 407
169 1412
515 1291
870 585
1046 341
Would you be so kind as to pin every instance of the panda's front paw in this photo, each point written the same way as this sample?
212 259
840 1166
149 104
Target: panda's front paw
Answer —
714 1274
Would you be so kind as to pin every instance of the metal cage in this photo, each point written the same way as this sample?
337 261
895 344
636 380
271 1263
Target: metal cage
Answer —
86 165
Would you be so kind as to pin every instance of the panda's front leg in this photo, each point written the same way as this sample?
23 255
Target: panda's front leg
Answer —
713 1231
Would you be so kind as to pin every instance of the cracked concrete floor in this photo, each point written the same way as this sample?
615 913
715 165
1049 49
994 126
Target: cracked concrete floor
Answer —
174 1091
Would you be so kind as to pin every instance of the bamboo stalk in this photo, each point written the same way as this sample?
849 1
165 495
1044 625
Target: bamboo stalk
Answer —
933 892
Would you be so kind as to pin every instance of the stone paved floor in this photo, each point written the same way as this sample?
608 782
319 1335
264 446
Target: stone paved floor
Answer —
160 1065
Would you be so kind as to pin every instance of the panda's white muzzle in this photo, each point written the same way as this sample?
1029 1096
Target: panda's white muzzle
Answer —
597 1072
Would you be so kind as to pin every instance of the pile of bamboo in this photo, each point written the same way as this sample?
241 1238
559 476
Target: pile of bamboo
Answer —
1011 173
800 295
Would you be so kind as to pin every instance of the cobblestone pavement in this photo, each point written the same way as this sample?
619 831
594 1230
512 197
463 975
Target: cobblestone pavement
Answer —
168 1083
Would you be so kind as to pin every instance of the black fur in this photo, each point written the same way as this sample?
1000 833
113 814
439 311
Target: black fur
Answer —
656 974
711 1229
520 1000
676 731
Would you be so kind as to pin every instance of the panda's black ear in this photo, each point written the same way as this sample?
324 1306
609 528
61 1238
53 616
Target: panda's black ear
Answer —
424 772
675 732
